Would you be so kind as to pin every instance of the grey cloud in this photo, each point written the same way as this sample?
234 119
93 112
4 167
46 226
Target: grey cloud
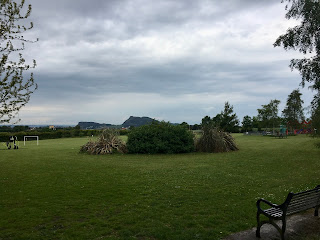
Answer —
168 79
177 50
88 19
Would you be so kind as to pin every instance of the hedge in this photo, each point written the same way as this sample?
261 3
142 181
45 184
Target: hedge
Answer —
4 136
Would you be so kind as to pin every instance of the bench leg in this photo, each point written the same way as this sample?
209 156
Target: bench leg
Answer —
258 225
284 225
316 211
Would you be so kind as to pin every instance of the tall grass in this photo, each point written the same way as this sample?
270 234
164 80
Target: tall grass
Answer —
214 141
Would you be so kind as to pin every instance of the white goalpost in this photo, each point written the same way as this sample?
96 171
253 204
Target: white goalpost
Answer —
25 137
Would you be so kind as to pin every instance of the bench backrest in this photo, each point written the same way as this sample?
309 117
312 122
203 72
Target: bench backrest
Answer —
303 200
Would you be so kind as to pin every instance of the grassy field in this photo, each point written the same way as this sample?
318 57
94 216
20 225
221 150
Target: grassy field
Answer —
51 191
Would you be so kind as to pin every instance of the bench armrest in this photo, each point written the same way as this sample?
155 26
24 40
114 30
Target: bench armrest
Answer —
266 202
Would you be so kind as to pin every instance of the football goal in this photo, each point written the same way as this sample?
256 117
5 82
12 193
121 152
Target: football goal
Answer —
25 139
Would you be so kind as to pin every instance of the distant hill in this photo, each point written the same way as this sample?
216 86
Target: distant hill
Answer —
137 121
130 122
93 125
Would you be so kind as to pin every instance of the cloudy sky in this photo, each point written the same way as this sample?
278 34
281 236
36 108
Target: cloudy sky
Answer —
173 60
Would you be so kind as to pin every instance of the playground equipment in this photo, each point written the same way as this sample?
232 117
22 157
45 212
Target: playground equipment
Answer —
283 132
13 142
303 127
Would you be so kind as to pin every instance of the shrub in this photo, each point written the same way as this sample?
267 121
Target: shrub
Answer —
75 133
123 132
107 143
213 140
160 137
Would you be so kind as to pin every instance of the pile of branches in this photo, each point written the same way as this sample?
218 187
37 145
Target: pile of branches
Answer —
107 143
214 140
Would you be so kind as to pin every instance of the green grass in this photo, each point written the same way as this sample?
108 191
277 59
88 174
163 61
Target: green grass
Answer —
51 191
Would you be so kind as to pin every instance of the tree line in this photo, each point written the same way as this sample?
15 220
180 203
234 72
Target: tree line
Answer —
267 116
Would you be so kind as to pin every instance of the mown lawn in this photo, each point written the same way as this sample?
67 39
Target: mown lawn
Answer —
51 191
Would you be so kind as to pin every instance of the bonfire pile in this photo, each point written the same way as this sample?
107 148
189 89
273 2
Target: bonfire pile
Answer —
107 143
213 140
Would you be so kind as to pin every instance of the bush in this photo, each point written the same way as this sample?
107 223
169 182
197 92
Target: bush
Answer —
123 132
213 140
160 137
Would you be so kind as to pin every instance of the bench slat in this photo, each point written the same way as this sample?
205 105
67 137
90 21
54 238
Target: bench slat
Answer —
300 198
299 209
314 193
309 192
297 204
305 205
314 199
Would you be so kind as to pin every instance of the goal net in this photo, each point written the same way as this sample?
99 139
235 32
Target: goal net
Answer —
25 138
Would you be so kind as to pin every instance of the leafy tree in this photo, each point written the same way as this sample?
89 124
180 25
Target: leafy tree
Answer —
20 128
229 120
195 127
305 38
206 121
316 120
268 114
293 112
216 121
15 91
226 120
247 123
185 124
315 112
5 129
256 123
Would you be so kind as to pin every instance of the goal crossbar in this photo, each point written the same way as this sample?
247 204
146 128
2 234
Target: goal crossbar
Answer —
25 137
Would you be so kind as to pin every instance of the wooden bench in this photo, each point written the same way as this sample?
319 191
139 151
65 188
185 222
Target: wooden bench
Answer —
295 203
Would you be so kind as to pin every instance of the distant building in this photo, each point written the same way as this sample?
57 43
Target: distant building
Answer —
52 127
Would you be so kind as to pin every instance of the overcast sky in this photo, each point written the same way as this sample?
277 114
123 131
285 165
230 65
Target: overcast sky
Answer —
173 60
